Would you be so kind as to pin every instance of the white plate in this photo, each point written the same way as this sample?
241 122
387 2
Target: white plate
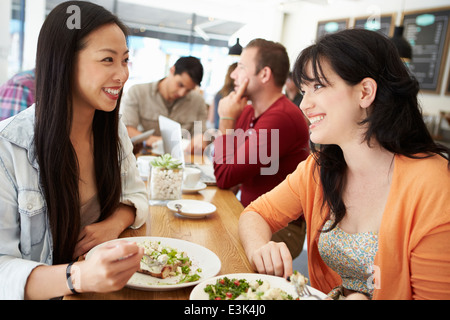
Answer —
200 256
198 293
199 186
192 208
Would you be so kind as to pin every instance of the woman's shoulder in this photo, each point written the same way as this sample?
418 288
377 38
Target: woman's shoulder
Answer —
307 174
421 193
424 168
19 129
422 184
124 138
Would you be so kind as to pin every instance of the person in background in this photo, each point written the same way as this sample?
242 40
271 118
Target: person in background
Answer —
68 175
228 86
374 192
17 94
174 97
271 126
292 92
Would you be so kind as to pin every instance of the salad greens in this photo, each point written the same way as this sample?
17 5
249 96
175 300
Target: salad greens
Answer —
241 289
226 288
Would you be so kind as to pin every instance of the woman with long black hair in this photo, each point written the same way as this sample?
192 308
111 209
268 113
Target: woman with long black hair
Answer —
68 174
374 192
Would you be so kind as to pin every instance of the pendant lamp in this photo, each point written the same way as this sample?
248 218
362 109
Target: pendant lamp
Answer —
235 50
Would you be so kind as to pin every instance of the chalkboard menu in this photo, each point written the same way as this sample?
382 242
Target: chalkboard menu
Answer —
382 24
427 31
330 26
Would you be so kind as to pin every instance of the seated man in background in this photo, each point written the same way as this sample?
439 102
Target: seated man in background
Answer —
263 142
292 92
174 97
17 94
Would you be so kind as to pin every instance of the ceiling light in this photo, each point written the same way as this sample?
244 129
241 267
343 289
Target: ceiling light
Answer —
235 50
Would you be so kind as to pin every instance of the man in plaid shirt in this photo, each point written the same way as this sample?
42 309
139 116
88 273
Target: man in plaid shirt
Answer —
17 94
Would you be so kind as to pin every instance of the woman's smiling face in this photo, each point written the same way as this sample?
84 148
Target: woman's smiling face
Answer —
101 69
332 107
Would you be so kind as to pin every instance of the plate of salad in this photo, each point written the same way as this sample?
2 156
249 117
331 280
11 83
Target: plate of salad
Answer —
189 263
245 286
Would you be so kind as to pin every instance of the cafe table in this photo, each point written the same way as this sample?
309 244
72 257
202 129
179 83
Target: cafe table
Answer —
217 232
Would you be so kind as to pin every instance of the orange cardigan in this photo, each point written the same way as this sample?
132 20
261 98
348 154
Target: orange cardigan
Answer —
413 258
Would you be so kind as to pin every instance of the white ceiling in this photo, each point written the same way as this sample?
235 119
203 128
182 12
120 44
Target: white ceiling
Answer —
215 20
171 22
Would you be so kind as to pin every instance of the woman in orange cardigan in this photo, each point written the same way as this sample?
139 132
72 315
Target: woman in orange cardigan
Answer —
375 193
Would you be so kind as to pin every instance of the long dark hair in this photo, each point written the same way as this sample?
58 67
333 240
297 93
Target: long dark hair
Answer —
394 119
59 171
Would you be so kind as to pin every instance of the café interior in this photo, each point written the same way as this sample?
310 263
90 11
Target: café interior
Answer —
216 31
209 28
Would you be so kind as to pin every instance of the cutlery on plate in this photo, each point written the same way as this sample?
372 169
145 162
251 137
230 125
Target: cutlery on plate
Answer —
150 262
178 207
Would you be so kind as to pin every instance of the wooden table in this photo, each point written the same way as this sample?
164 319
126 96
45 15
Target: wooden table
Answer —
217 232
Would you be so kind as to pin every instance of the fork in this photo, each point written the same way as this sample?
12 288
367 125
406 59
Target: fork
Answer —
302 290
151 262
305 293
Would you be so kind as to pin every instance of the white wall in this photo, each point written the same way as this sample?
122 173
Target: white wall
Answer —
263 18
294 24
300 26
34 18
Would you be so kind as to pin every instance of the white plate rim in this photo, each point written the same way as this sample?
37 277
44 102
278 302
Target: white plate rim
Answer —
213 261
198 187
199 294
212 208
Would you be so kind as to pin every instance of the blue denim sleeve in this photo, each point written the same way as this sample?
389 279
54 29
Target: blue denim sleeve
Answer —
14 268
133 188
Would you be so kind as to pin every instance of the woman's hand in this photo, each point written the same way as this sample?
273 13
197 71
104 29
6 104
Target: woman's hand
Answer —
272 258
108 269
105 230
93 235
265 256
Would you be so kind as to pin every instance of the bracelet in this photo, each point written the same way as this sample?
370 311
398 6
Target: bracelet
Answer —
69 278
226 118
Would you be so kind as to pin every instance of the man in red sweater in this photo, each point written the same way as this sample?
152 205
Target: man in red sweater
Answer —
264 141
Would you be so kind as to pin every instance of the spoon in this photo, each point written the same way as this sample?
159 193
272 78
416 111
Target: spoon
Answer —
178 207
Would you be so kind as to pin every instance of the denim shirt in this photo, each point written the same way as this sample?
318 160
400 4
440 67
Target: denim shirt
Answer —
25 235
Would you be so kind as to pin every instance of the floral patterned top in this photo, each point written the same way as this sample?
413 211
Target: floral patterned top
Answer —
351 256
